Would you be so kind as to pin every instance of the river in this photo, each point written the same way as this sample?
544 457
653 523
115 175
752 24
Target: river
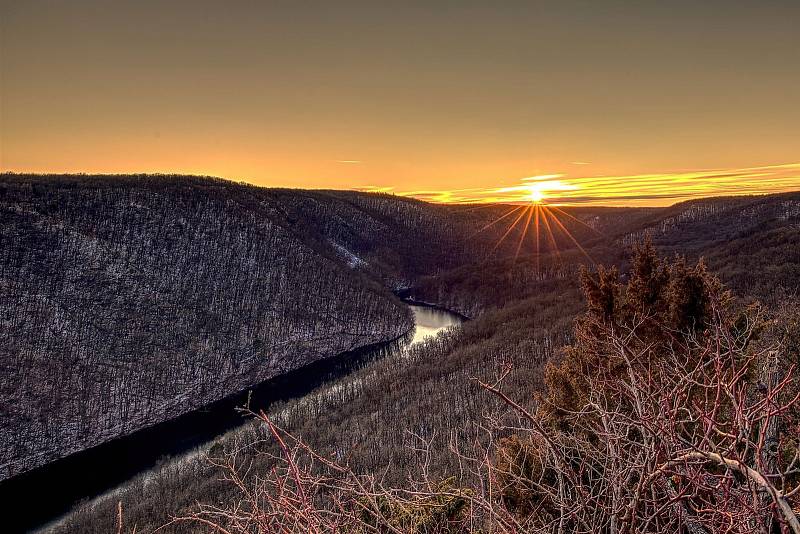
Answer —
57 487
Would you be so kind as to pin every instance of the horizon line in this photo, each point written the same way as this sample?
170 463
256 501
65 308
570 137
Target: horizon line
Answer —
618 191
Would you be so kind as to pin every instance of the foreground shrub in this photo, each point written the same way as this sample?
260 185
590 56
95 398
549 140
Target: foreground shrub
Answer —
673 411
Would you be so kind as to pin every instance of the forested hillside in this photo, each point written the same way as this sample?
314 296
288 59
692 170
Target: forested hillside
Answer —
752 243
402 418
129 300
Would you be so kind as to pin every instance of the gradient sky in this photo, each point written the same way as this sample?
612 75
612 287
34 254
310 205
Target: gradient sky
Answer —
642 102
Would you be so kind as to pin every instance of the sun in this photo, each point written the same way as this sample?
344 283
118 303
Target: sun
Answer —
536 195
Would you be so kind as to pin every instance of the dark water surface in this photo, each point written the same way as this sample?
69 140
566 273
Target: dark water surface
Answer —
35 499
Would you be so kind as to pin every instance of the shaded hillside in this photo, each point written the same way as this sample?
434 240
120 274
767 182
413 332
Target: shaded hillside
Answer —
752 242
394 238
126 301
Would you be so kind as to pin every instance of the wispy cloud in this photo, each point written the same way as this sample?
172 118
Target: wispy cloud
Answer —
349 161
640 189
541 177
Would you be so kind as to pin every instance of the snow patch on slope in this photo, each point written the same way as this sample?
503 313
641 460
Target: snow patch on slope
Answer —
353 260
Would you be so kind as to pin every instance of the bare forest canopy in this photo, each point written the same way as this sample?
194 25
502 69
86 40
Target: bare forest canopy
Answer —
127 300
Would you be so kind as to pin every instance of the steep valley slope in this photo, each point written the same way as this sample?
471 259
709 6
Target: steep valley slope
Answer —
127 301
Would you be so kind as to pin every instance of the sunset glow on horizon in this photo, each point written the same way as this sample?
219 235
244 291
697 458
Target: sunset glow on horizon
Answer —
660 189
634 190
600 103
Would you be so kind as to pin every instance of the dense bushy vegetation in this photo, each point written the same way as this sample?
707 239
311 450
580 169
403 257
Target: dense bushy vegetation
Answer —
673 410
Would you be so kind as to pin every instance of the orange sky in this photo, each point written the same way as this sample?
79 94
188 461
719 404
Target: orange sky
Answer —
641 104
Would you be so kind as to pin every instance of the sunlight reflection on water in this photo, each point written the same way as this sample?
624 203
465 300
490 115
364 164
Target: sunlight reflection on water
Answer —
430 321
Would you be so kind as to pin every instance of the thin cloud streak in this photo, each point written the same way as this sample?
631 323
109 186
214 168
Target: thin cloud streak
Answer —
542 177
631 190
